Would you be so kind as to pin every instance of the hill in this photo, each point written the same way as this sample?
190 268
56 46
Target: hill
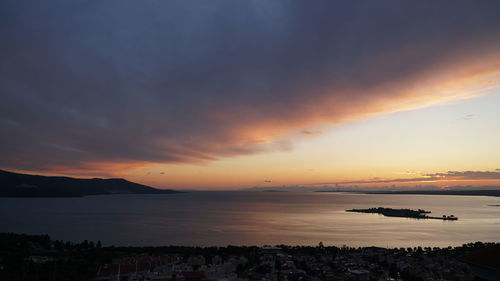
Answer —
24 185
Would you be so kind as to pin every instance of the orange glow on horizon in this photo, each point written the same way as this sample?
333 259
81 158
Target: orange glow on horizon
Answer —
228 169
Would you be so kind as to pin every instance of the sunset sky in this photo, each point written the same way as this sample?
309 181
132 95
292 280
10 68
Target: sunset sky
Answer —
234 94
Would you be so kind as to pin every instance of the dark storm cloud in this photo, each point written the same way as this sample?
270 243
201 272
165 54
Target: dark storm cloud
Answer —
85 84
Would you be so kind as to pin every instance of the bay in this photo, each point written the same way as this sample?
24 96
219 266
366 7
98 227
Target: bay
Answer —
220 218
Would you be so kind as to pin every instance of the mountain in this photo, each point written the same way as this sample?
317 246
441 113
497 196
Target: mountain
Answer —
23 185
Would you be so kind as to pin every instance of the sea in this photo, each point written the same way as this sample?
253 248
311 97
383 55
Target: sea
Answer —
221 218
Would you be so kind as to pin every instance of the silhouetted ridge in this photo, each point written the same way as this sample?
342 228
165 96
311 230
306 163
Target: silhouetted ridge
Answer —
23 185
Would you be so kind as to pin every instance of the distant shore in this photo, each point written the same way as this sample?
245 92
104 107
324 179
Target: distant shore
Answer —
494 193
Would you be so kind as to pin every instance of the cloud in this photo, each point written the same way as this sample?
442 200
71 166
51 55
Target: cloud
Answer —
421 179
312 133
89 84
469 117
447 176
467 175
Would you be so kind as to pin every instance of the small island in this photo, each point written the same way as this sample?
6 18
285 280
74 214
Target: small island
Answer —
403 213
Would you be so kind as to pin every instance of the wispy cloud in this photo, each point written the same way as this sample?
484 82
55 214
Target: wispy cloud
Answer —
468 175
469 117
311 132
421 179
433 177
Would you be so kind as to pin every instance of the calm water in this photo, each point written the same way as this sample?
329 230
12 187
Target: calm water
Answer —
252 218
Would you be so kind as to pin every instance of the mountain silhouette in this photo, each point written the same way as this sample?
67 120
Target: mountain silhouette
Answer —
24 185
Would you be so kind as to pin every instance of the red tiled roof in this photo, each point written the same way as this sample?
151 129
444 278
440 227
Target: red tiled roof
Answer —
127 268
162 278
143 266
193 275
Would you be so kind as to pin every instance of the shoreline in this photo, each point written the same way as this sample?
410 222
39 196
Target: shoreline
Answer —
489 193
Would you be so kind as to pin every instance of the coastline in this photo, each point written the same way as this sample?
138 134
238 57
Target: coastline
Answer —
492 193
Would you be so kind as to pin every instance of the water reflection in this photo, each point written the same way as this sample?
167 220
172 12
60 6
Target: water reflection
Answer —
252 218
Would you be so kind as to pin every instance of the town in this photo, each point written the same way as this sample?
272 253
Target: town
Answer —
295 264
39 258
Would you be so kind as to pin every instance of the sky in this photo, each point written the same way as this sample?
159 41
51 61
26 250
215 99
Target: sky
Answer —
233 94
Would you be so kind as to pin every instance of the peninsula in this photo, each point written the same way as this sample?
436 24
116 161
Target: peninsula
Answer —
24 185
403 213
